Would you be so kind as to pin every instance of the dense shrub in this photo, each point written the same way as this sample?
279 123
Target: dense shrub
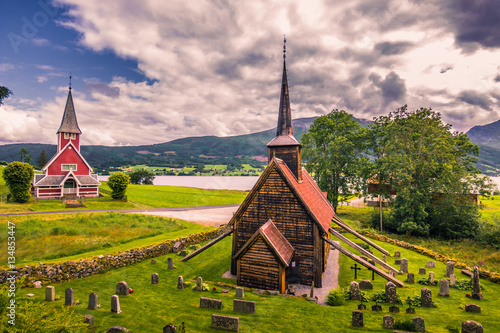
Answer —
18 178
118 182
335 298
405 325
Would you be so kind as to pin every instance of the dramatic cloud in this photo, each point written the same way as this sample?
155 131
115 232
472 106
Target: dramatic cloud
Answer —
474 98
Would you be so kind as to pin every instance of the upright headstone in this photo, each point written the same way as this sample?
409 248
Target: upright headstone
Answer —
397 254
365 284
199 284
431 264
390 293
210 303
88 319
178 247
92 301
50 293
472 308
115 304
422 271
355 293
411 278
240 305
419 324
357 318
170 329
426 297
397 261
153 261
155 278
453 280
69 298
225 323
471 326
122 288
388 322
431 278
170 262
118 329
450 268
476 286
240 292
404 265
384 258
37 284
444 288
180 282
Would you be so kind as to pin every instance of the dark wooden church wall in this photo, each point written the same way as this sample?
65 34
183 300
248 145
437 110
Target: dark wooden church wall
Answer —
259 268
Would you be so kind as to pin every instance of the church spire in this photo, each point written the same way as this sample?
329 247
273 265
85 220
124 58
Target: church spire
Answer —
285 113
69 123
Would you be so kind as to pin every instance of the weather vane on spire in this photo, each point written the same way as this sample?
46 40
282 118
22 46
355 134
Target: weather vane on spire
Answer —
284 47
70 81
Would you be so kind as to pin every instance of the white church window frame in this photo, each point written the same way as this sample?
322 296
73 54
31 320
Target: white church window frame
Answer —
68 167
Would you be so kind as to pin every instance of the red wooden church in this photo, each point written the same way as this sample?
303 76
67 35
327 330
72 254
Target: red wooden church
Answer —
67 173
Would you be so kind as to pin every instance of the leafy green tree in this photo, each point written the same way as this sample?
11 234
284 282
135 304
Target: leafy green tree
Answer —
144 177
24 154
432 170
4 93
42 160
333 152
18 176
118 183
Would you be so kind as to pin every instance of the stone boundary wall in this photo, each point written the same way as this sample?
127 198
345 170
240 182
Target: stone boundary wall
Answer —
74 269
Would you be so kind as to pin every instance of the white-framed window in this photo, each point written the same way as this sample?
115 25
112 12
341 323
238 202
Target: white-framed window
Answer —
67 136
68 167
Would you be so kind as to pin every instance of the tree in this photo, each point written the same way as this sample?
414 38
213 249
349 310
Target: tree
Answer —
118 183
333 152
24 154
432 171
143 176
42 159
18 176
4 93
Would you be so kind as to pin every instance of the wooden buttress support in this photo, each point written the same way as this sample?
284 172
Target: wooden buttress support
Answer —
342 224
206 246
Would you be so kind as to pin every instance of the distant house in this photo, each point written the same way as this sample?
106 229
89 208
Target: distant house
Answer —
67 173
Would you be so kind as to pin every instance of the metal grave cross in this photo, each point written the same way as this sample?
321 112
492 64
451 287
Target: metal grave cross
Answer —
356 269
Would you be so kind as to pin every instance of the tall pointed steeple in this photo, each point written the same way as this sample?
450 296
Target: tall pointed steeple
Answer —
69 124
285 112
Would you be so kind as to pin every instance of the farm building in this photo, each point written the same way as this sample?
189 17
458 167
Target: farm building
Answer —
67 173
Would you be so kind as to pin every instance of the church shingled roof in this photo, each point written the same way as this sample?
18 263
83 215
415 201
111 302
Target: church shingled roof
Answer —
69 124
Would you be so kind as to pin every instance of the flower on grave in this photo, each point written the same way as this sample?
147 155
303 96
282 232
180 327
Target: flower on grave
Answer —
131 291
214 289
468 295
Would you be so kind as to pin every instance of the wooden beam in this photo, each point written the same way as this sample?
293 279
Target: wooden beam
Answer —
206 246
365 263
363 251
342 224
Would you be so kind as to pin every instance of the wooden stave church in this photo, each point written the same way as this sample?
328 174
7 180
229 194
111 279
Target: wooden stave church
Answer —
67 173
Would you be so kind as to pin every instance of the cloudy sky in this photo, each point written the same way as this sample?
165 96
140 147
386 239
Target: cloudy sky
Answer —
150 71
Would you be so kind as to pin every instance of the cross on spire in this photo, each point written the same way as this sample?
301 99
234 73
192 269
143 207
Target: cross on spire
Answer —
70 81
284 47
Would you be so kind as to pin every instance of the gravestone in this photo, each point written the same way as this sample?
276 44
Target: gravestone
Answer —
153 261
453 280
170 329
210 303
422 271
431 278
183 253
50 294
476 286
390 293
388 322
199 284
450 268
122 288
178 246
194 247
357 318
369 251
180 283
394 309
397 254
115 304
155 278
426 297
411 278
372 262
365 284
37 284
471 326
431 264
355 293
88 319
225 323
444 288
69 297
92 301
472 308
404 265
419 324
243 306
392 273
397 262
384 258
170 262
118 329
240 292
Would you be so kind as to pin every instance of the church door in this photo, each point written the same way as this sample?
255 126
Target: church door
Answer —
69 186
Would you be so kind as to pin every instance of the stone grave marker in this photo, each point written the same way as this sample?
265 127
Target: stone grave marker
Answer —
169 329
178 246
210 303
357 318
372 262
431 264
199 284
411 278
225 323
397 254
240 292
472 308
364 258
419 324
369 251
183 253
471 326
170 262
153 261
88 319
155 278
390 293
194 247
355 293
444 288
422 271
476 286
118 329
69 297
180 282
410 309
115 304
365 284
92 301
243 306
122 288
37 284
50 294
426 297
384 258
388 322
450 268
397 262
404 265
453 280
431 278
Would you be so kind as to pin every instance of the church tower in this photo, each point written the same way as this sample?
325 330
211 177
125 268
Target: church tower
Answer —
69 130
284 146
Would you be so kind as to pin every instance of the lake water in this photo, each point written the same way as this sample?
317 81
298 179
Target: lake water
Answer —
242 183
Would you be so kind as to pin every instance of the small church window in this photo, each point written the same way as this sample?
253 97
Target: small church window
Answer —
66 135
68 167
